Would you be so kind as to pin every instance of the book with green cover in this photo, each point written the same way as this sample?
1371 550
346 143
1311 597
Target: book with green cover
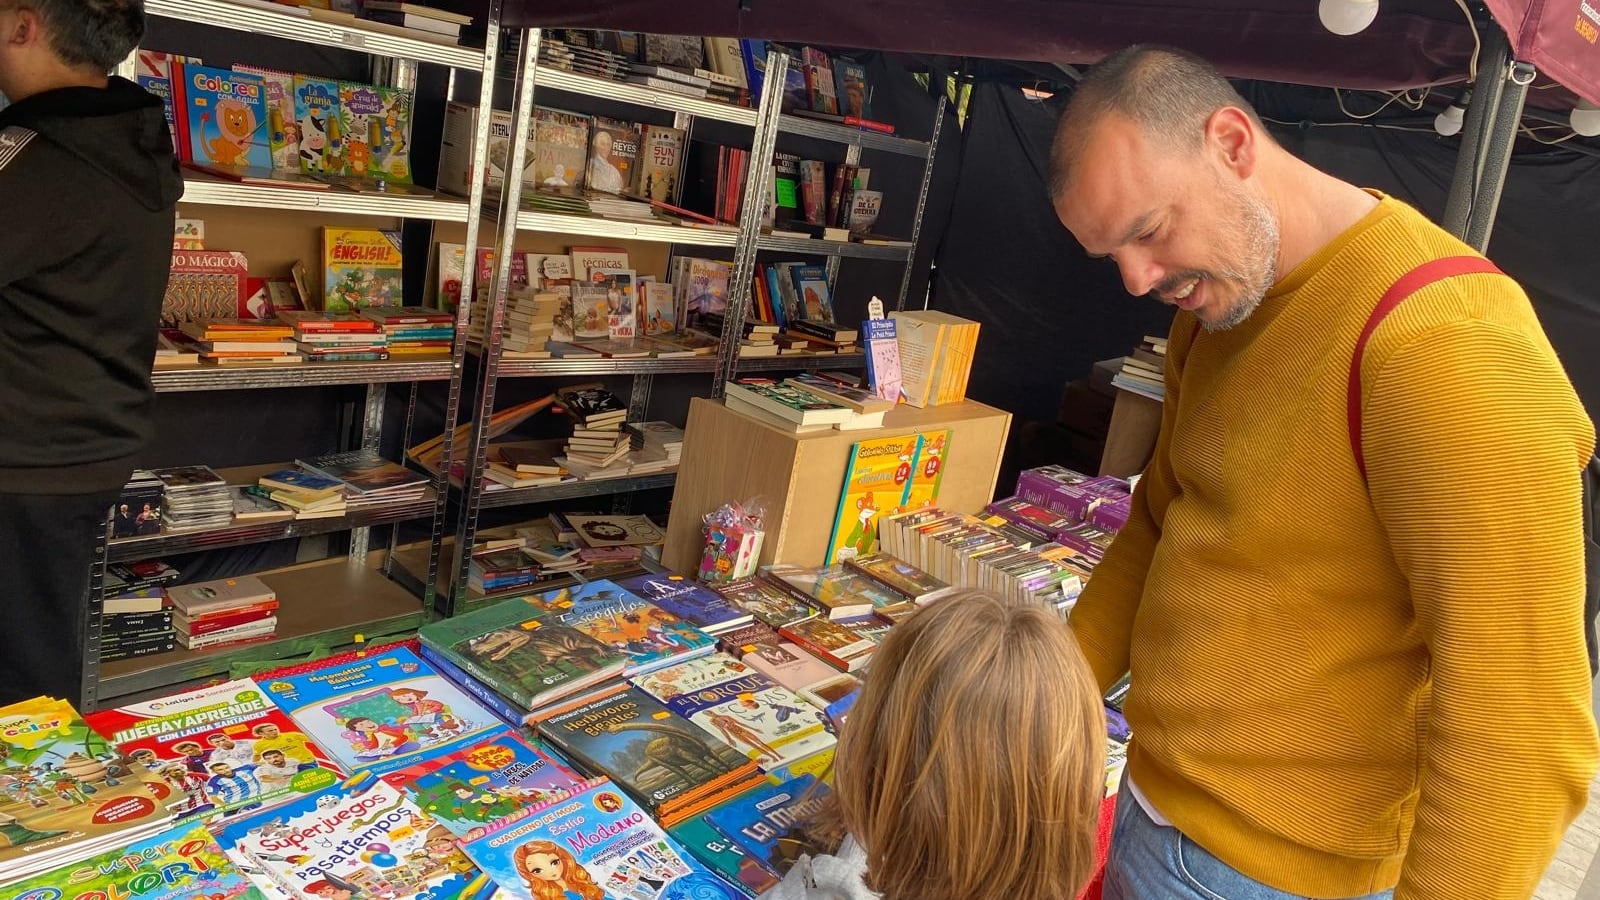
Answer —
723 857
523 653
183 863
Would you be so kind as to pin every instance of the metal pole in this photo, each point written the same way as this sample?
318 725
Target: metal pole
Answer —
510 206
757 186
458 350
94 621
1497 154
1475 127
922 201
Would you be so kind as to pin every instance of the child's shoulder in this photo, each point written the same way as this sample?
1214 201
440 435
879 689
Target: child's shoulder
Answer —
826 877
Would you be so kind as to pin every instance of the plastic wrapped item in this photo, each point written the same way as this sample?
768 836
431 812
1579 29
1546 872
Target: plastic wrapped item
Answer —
734 533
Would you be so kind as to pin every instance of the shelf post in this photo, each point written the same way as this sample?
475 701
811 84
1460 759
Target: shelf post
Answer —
94 625
922 203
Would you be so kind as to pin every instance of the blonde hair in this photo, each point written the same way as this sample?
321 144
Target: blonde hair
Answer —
973 763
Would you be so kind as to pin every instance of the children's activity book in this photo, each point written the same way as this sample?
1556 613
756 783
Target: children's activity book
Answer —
379 710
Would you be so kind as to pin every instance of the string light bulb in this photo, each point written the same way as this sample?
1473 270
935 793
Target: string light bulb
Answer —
1449 122
1347 16
1586 119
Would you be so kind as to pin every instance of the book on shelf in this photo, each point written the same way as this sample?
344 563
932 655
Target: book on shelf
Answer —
222 118
367 473
787 403
936 351
362 268
560 150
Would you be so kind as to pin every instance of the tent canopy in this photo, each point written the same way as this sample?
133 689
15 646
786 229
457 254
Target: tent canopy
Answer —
1413 43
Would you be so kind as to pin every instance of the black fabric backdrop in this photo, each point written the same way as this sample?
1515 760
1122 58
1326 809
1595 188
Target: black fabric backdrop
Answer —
1049 312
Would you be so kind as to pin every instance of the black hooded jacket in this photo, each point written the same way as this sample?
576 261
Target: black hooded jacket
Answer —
88 187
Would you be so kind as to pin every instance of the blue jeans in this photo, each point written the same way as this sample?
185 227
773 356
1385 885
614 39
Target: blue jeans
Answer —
1156 862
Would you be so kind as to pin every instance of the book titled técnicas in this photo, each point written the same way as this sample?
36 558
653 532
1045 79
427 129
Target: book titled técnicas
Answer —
595 842
380 709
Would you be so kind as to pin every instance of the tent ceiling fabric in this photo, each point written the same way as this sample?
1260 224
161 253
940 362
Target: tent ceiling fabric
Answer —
1560 37
1413 43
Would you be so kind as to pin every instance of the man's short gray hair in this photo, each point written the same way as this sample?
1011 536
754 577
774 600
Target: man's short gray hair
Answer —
100 33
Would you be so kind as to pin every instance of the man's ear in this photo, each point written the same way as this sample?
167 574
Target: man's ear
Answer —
1233 140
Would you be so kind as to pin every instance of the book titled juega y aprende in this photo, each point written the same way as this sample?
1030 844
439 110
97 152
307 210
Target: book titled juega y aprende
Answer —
380 709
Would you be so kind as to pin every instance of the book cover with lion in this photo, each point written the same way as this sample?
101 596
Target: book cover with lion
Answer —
222 118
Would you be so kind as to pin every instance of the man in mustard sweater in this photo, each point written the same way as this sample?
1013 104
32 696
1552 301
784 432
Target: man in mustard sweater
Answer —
1341 686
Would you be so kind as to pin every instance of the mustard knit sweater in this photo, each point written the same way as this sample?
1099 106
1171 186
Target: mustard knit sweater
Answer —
1336 690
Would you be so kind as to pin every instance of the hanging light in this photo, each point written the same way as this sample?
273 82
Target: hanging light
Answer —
1586 119
1347 16
1449 122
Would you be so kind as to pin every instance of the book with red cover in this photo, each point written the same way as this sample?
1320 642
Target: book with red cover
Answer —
206 284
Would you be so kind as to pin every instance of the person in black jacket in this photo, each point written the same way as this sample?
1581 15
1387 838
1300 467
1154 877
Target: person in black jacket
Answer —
88 187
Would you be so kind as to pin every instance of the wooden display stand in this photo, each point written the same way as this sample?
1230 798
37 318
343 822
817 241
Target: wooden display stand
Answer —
730 457
1131 439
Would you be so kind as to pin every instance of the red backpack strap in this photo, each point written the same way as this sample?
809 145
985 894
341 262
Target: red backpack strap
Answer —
1409 283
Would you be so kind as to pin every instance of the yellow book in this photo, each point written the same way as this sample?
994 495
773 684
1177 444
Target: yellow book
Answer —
875 482
361 269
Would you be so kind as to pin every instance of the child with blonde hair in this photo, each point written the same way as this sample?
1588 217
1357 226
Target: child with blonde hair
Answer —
971 766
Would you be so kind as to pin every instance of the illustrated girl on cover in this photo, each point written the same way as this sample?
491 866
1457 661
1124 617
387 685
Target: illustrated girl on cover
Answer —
551 873
368 738
428 714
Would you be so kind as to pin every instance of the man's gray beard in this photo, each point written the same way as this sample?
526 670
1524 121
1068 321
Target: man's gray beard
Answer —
1261 249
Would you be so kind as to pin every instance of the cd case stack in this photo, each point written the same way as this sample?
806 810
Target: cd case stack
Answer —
196 497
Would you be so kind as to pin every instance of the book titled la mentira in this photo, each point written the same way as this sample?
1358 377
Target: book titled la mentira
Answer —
761 820
650 637
223 748
525 657
68 793
362 837
183 863
665 762
595 842
773 727
379 709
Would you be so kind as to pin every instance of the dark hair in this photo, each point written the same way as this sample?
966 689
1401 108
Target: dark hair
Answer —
1169 93
100 33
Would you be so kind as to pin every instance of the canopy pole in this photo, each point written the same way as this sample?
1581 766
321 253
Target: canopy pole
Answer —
1488 134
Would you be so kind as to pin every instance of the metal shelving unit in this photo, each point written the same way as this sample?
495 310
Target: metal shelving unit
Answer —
317 374
328 603
747 241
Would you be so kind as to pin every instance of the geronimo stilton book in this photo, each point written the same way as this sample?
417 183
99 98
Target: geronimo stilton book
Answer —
380 709
224 748
222 118
592 844
361 839
780 732
184 863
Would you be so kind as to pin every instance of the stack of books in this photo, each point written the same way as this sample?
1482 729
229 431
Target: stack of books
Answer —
842 390
656 447
526 464
136 618
195 497
585 60
781 406
310 495
936 350
414 330
243 342
331 337
530 322
813 337
756 338
613 539
367 476
224 612
1144 371
502 570
597 444
436 22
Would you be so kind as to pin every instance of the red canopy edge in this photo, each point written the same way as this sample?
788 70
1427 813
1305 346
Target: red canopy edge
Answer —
1560 37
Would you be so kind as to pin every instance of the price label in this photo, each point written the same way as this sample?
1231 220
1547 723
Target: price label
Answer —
875 309
355 39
